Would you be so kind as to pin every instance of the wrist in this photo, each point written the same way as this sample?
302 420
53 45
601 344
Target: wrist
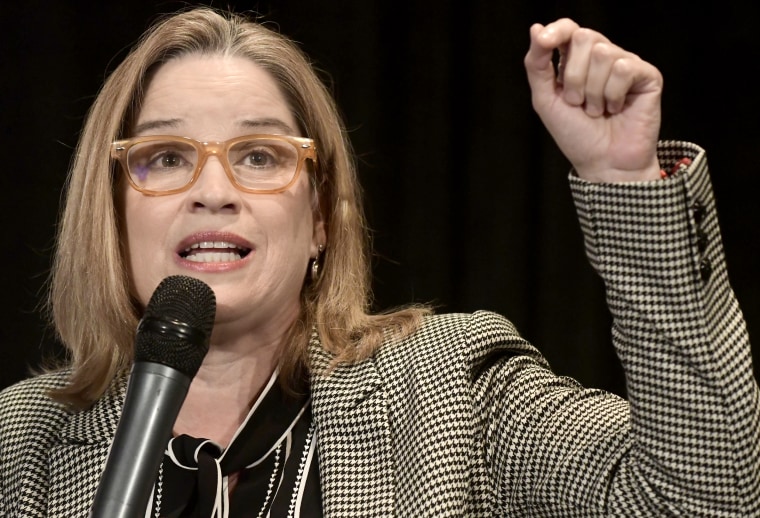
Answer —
613 175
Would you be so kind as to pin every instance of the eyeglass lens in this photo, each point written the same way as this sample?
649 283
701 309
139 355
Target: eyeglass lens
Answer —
170 164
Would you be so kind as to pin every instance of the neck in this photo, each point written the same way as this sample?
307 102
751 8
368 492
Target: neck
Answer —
231 377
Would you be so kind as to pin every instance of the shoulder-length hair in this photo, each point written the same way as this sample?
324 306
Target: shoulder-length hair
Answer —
90 302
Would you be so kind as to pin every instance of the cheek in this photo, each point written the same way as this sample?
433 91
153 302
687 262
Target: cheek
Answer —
136 230
135 253
291 212
142 228
290 232
289 229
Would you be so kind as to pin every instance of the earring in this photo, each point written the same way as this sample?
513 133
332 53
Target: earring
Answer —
315 266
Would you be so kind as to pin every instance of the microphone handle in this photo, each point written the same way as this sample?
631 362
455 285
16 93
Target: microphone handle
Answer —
154 397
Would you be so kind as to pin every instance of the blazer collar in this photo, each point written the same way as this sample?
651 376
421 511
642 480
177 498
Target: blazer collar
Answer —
350 412
97 424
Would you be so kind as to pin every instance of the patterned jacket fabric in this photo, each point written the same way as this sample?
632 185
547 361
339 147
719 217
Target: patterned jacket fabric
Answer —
465 418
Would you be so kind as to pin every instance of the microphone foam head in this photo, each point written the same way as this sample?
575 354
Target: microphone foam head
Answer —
176 327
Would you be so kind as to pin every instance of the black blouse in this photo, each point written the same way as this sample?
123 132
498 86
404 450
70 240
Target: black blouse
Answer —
274 453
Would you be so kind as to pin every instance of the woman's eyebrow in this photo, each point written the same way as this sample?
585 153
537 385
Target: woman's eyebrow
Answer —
269 123
156 124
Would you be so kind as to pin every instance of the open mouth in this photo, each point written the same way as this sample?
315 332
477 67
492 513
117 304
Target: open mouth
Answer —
214 252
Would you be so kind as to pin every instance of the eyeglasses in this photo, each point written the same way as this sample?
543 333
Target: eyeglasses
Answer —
158 165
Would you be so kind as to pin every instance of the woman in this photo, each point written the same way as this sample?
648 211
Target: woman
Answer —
214 151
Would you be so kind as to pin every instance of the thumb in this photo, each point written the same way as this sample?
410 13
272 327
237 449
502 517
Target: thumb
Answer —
538 64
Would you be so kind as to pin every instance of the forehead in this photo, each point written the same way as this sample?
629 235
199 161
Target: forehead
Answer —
215 91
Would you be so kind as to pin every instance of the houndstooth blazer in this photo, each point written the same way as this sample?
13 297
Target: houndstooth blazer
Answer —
464 418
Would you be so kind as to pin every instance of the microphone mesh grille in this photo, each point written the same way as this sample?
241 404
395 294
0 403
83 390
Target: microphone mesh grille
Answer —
191 304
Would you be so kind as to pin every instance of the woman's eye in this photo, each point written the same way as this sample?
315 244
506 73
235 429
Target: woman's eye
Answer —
260 159
169 160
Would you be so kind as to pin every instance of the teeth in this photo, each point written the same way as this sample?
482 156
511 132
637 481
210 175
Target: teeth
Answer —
214 252
210 244
213 257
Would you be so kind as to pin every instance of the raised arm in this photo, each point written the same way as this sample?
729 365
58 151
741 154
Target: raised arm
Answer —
687 442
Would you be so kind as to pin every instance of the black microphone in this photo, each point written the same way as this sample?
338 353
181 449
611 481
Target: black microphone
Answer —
172 339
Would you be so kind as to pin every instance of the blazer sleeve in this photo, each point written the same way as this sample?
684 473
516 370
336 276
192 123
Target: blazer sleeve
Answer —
687 441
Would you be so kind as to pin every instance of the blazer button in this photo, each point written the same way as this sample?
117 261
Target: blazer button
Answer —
705 269
701 241
699 211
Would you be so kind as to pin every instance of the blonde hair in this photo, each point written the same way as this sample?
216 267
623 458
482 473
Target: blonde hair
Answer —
90 302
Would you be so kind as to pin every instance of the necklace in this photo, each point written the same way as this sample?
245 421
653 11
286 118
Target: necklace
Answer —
301 465
271 480
159 489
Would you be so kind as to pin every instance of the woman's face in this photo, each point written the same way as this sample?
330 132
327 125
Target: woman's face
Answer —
216 98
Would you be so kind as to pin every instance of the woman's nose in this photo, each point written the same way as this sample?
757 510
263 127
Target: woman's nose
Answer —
213 190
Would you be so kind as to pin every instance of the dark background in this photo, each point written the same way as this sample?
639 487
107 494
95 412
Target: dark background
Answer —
466 194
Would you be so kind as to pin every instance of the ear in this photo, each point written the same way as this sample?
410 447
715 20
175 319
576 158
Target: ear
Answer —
318 236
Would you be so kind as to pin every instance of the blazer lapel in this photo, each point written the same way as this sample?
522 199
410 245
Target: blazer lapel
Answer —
77 461
350 409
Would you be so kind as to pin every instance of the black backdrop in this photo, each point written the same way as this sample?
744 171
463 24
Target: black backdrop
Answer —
466 194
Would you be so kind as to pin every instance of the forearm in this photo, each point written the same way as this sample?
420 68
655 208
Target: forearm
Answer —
682 341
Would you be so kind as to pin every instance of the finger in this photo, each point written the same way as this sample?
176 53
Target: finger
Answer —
630 75
601 59
557 33
538 63
577 63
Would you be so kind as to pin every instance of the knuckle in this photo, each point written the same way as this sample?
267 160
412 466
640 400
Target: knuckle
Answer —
568 21
602 50
623 66
583 35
